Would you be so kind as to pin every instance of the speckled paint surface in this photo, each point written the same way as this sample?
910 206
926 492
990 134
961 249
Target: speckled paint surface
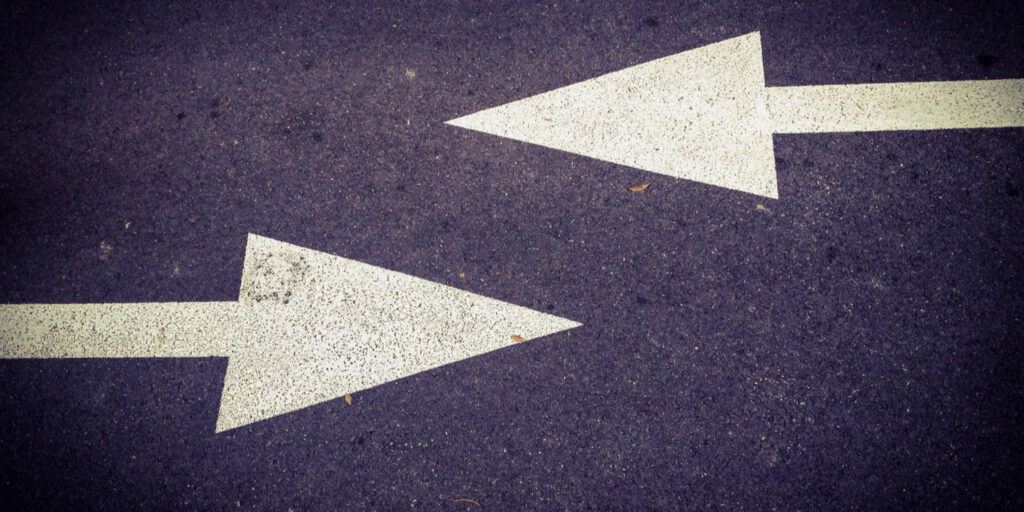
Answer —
699 115
705 114
307 327
900 106
853 345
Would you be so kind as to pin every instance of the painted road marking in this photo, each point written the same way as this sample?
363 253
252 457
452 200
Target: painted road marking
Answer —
705 114
307 327
897 106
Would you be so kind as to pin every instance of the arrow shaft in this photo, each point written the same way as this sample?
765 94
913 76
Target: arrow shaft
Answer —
168 329
897 106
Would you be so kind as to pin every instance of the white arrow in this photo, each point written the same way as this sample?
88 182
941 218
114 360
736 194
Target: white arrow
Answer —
308 327
706 115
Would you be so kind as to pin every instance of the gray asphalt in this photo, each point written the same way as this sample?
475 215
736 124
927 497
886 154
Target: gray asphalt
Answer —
854 345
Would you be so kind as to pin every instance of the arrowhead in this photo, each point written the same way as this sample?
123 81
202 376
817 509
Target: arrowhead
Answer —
699 115
321 326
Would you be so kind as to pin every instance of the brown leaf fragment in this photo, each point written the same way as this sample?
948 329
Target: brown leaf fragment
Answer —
457 500
348 398
639 188
546 118
763 208
517 338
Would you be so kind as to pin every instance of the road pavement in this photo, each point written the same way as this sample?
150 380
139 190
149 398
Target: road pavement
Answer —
852 344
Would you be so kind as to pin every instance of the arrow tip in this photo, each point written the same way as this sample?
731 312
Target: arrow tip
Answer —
699 115
322 326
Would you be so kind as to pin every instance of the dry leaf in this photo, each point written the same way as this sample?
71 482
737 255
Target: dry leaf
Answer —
462 275
463 500
517 338
348 398
763 208
639 188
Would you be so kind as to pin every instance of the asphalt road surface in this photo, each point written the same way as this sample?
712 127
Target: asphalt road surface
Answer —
854 344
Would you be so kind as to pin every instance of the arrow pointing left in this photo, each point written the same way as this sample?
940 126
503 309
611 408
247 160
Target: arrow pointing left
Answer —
706 115
308 327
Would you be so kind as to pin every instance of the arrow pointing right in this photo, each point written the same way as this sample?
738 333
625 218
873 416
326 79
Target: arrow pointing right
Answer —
307 327
706 115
